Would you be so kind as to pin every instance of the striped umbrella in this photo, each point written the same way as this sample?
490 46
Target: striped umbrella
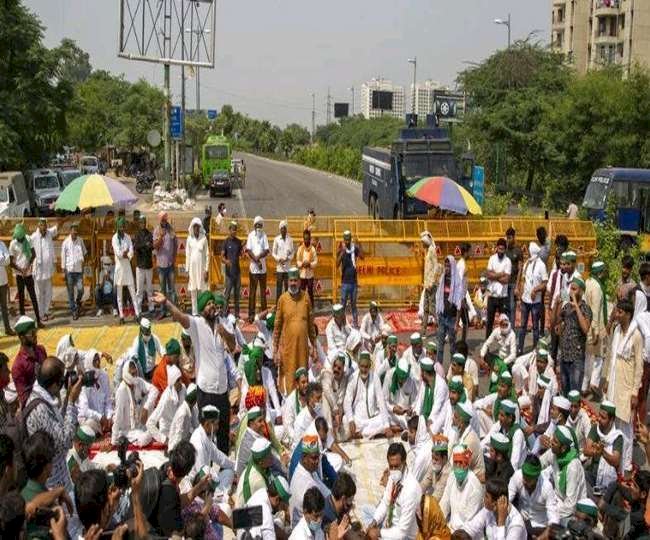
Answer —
444 193
94 191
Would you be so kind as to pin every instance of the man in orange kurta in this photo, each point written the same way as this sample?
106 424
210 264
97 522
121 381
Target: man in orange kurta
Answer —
294 329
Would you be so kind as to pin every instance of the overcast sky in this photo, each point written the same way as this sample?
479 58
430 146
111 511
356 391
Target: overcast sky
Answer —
272 54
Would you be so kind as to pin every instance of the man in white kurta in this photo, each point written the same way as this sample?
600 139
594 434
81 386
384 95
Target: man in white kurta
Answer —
185 420
123 276
296 401
433 394
146 348
160 420
364 404
96 402
306 476
414 354
337 332
43 265
371 326
135 398
385 357
271 499
464 433
565 472
463 496
508 426
400 393
578 419
334 381
395 513
597 337
496 521
196 261
207 454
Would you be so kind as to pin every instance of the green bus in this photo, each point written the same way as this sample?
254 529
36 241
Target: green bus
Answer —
216 156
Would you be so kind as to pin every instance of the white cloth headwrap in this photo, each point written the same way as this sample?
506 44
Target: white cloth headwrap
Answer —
195 221
89 356
173 374
63 345
533 250
456 292
126 376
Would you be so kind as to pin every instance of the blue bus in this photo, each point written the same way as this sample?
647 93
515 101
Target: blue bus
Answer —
631 187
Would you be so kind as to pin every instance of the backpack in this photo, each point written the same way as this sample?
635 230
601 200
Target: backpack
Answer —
16 429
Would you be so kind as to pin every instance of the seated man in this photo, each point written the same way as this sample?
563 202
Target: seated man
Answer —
273 499
533 495
255 373
471 367
171 358
185 420
508 425
463 495
371 327
105 292
309 526
418 459
566 472
96 402
334 380
559 412
400 393
207 454
257 473
432 395
488 407
306 476
497 459
340 503
604 448
159 422
465 434
578 419
187 361
308 414
255 425
414 354
528 366
337 332
499 518
134 400
78 460
395 516
502 342
385 357
457 368
146 348
364 405
436 478
295 402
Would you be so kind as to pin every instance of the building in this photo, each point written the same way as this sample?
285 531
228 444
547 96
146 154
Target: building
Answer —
593 33
424 96
399 105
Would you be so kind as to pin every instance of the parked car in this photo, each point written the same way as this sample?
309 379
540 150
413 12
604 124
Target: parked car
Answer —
14 198
44 189
89 165
67 175
221 183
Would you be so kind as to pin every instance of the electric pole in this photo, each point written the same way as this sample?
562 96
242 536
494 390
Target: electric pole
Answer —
313 117
329 112
352 91
167 21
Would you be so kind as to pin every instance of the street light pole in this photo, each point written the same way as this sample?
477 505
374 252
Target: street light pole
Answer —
413 61
506 22
352 90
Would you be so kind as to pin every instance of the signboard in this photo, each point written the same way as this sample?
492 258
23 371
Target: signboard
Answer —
341 110
478 183
212 114
448 105
176 123
382 100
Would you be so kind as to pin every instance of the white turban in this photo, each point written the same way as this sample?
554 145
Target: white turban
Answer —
89 356
533 249
283 223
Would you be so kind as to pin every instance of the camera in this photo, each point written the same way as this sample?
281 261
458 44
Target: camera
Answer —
128 466
43 516
89 379
71 377
575 530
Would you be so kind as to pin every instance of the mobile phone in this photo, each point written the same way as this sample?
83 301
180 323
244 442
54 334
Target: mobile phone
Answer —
246 518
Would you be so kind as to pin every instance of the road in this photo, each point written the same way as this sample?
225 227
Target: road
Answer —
278 189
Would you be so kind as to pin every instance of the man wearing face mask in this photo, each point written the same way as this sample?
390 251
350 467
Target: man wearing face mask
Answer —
337 332
400 392
335 382
340 503
309 527
386 357
499 269
465 434
502 342
307 416
463 496
207 454
508 425
212 341
436 478
30 356
432 396
146 347
257 249
293 331
394 517
44 411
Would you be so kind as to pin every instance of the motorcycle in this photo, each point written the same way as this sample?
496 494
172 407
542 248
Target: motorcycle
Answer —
145 181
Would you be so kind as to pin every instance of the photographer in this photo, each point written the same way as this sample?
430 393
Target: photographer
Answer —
272 500
38 453
96 500
95 401
42 413
166 517
78 461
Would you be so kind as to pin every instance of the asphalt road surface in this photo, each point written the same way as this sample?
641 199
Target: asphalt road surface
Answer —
278 189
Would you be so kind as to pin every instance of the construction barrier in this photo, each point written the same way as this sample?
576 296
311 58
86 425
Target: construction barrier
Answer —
393 255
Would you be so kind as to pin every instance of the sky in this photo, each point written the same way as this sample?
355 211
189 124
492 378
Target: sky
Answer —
271 55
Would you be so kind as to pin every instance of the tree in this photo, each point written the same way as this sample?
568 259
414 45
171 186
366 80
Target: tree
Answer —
511 93
293 135
34 99
74 63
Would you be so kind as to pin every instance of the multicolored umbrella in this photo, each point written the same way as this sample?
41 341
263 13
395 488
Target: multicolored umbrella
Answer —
94 191
444 193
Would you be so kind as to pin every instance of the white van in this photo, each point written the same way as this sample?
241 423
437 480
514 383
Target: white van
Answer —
14 200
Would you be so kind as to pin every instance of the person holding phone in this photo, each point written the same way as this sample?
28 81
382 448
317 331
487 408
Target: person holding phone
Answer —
498 518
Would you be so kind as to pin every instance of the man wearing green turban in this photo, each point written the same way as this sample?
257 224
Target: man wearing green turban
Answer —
401 391
22 256
123 277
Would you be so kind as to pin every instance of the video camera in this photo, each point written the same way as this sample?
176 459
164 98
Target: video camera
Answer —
128 466
575 530
88 378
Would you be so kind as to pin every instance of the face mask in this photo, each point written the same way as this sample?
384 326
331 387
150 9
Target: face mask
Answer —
318 408
437 467
293 289
395 476
460 474
505 331
259 232
314 526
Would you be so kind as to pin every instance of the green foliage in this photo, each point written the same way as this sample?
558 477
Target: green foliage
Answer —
357 132
74 63
292 136
496 204
336 159
108 109
33 93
